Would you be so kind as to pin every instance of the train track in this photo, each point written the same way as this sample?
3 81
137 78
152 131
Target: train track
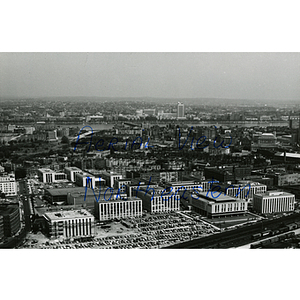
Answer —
237 237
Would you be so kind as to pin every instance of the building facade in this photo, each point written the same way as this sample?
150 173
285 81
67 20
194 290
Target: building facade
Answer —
70 224
85 179
8 184
9 219
158 199
110 178
118 209
243 190
71 173
50 176
274 202
222 206
180 110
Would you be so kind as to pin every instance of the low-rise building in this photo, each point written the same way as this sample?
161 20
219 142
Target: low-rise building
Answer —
273 202
71 173
49 176
118 209
243 189
85 179
60 195
69 224
8 184
288 179
122 185
110 177
158 199
208 205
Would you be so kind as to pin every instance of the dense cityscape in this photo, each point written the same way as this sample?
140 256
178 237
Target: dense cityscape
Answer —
149 173
149 148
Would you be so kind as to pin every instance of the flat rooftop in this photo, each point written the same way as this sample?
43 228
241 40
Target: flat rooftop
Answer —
222 198
110 173
72 168
67 214
120 200
288 155
44 170
123 179
65 191
270 194
182 182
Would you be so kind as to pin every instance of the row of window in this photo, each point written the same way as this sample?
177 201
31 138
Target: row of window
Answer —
229 207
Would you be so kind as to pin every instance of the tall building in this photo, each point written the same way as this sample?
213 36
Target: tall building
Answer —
180 110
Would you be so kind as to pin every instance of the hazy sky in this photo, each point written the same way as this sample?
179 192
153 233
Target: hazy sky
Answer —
190 75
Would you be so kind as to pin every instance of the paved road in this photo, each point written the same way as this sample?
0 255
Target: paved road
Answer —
26 204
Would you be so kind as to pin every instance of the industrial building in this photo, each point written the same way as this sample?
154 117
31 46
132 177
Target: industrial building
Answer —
60 195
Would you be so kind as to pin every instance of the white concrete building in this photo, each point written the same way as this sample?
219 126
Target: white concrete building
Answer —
49 176
85 179
8 184
157 199
273 201
71 173
118 209
70 224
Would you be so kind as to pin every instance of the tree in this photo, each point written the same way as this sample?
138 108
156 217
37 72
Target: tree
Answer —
20 173
65 140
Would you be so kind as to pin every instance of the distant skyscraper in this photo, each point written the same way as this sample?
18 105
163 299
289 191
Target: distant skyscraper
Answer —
180 110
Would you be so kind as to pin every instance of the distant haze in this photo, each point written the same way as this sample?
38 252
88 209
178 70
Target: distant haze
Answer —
164 75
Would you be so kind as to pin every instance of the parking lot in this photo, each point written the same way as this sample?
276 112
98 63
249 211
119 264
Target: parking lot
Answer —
147 232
